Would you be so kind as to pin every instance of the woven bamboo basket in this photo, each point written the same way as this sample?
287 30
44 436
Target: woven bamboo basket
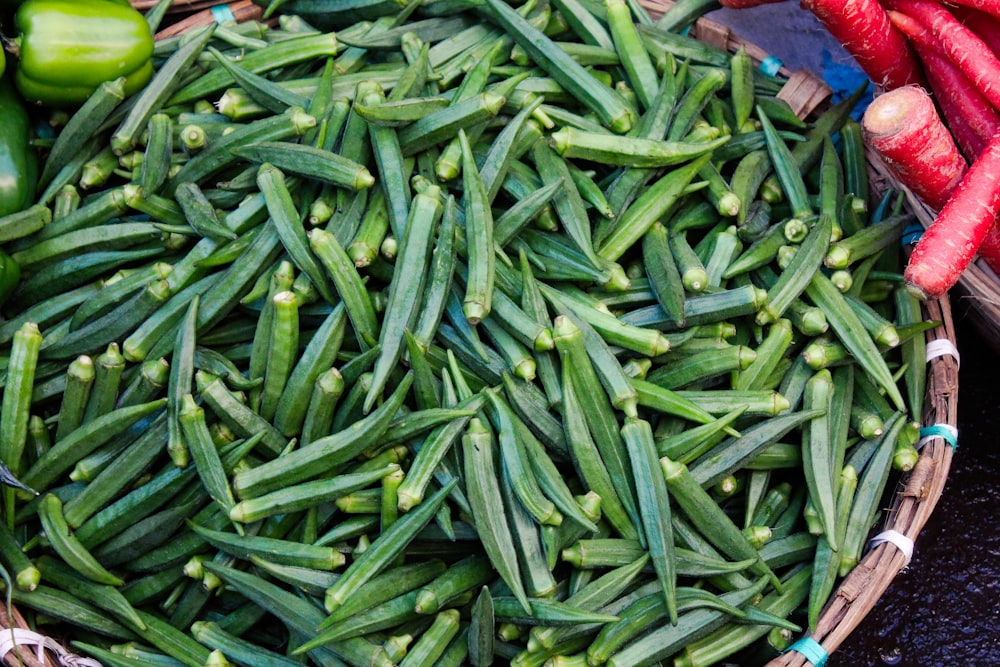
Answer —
916 493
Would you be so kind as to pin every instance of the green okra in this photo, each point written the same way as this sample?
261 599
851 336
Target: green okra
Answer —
335 449
654 508
376 557
719 528
483 489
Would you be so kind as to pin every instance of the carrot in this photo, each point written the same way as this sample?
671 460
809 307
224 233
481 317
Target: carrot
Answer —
985 25
970 116
920 36
988 6
953 239
863 27
969 53
744 4
906 131
989 249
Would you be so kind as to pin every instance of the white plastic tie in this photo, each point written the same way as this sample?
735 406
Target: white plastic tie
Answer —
898 540
943 347
12 638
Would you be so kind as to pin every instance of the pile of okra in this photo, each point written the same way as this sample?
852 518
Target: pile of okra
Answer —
459 333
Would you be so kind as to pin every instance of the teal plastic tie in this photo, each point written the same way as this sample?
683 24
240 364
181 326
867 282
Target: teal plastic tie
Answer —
911 234
811 650
222 13
947 433
770 65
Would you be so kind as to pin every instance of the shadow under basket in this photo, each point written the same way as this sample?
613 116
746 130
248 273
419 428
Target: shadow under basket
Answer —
915 493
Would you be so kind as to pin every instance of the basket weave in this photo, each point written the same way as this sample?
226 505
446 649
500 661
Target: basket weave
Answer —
918 491
242 10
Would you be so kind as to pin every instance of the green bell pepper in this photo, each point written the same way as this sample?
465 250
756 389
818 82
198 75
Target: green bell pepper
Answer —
69 47
18 172
18 160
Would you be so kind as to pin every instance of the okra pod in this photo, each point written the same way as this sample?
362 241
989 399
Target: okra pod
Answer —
654 508
388 544
483 488
561 67
719 529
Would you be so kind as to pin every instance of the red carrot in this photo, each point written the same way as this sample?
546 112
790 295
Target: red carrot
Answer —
863 27
744 4
970 141
920 36
988 6
904 128
970 117
989 249
986 26
952 240
969 53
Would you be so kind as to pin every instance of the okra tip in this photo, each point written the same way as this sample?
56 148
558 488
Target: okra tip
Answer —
837 257
671 469
475 312
217 658
781 403
617 280
238 514
363 179
660 345
426 602
623 122
28 579
543 341
904 458
132 192
301 120
121 145
766 315
560 140
729 204
405 501
573 555
526 369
